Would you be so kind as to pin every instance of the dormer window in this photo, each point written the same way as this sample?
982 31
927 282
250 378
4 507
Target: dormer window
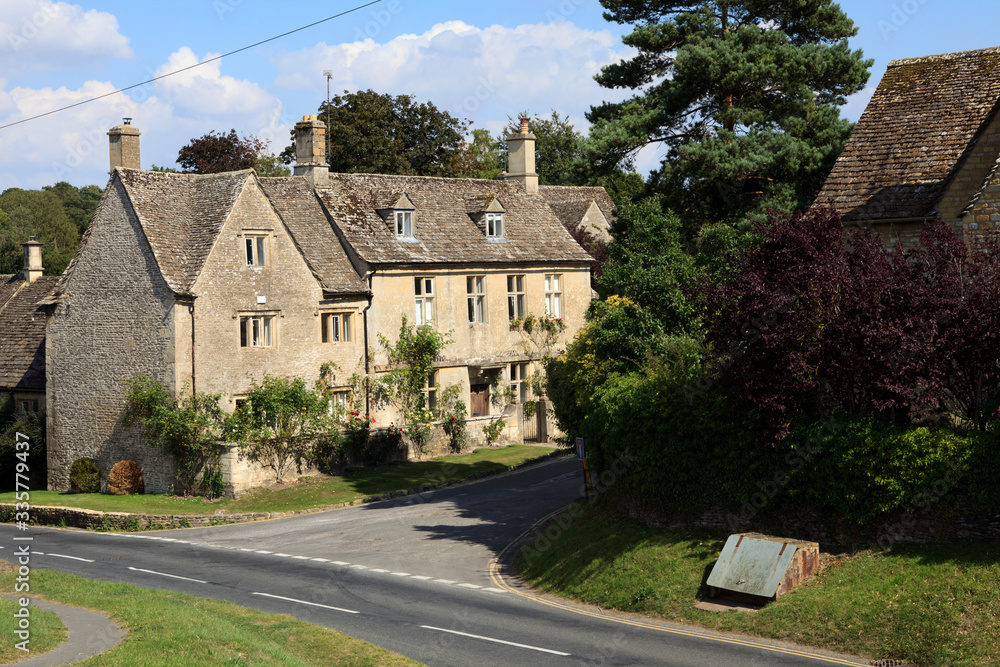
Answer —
404 224
494 225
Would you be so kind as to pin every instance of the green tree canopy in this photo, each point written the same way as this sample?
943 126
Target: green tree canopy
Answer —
377 133
37 213
78 203
558 148
214 153
741 95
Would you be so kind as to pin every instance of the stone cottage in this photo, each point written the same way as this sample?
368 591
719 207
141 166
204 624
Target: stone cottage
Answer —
207 281
927 145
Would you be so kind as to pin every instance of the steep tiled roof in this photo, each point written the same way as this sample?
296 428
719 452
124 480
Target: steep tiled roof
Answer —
181 215
443 228
22 343
302 213
570 202
907 145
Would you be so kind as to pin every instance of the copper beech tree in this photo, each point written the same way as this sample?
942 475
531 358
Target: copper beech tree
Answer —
818 320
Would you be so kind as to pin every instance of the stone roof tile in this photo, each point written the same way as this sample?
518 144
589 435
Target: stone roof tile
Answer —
922 119
444 232
22 321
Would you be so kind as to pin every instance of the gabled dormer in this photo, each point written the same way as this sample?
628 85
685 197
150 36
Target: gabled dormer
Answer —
487 212
398 212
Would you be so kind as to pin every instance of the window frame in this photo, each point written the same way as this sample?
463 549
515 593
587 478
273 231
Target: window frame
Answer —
494 224
516 297
429 390
423 300
475 290
255 252
553 295
403 220
520 374
342 332
266 332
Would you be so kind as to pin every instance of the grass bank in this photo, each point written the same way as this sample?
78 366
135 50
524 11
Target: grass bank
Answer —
173 629
310 491
47 631
926 605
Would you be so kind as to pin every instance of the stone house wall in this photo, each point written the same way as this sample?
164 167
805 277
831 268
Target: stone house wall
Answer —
115 321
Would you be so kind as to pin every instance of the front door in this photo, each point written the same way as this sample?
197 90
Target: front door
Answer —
480 400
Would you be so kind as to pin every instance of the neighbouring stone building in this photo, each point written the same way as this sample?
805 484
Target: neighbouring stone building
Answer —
206 281
927 145
22 321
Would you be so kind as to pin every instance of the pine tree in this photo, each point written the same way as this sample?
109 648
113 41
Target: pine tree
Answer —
742 97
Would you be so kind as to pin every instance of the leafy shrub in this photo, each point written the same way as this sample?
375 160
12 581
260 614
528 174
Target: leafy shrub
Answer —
383 445
84 476
493 429
125 478
454 426
330 454
212 479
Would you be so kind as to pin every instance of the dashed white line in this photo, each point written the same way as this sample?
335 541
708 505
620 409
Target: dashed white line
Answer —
164 574
421 577
261 551
339 562
359 567
85 560
311 604
443 581
401 574
469 586
283 555
497 641
300 557
380 571
495 590
321 560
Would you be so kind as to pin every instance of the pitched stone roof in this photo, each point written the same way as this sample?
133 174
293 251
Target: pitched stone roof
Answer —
444 231
22 344
906 147
302 213
181 215
570 202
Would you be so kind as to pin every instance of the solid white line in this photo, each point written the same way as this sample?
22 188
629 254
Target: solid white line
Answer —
311 604
164 574
85 560
497 641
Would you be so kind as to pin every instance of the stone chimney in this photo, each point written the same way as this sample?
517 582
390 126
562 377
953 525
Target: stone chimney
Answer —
310 151
124 143
32 260
521 158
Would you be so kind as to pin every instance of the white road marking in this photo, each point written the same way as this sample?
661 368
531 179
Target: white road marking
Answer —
311 604
495 590
263 552
339 562
321 560
380 571
85 560
300 557
497 641
469 586
241 549
283 555
164 574
421 577
443 581
401 574
359 567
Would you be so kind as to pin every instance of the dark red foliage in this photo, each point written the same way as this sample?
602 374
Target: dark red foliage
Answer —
815 321
597 249
215 153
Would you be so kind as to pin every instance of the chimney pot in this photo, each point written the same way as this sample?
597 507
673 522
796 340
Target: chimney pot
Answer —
524 125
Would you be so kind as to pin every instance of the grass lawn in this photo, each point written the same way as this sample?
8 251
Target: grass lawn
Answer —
927 605
175 629
310 492
47 631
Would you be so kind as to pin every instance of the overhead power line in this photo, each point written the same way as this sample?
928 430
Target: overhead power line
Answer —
184 69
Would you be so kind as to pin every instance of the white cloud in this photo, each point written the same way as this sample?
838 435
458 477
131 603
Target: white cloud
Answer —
44 35
205 91
477 73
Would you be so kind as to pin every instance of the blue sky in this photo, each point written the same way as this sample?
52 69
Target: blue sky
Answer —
480 61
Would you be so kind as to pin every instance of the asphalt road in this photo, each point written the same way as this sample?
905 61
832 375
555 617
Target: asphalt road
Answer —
412 575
